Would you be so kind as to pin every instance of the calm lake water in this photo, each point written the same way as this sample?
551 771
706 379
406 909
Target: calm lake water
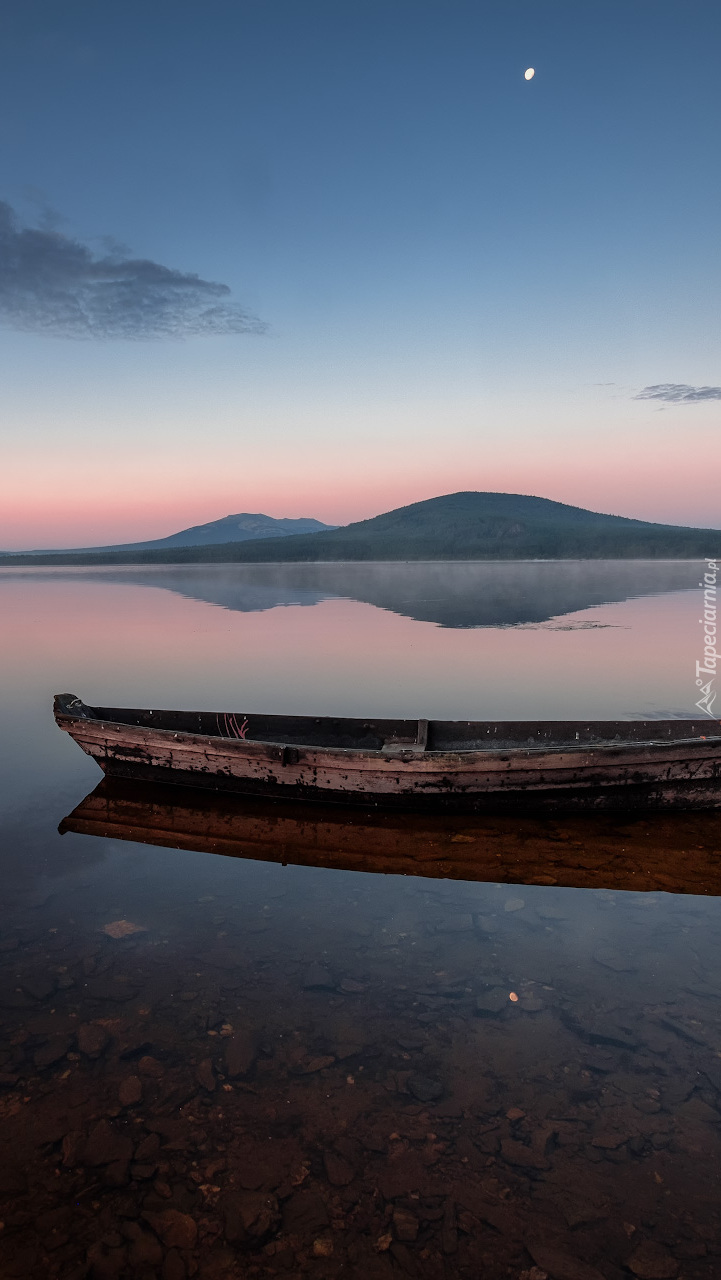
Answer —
271 1063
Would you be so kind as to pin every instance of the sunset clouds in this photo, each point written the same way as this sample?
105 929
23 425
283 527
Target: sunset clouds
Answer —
679 393
52 284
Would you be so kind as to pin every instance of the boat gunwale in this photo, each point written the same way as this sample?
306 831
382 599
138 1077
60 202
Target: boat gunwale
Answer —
396 753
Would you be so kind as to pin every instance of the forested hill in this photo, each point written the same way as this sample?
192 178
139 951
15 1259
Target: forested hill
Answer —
237 528
458 526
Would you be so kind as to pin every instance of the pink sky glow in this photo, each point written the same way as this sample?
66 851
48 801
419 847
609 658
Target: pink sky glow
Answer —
92 505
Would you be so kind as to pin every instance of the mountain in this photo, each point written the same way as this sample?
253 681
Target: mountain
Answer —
239 528
457 526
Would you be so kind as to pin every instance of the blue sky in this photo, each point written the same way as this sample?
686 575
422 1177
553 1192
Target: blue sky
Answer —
462 279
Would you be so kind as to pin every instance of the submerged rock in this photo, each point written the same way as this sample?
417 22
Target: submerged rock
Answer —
316 978
93 1039
563 1266
130 1091
151 1068
424 1088
39 986
205 1075
106 1146
249 1214
492 1003
52 1051
176 1230
405 1225
304 1213
612 959
241 1052
339 1172
651 1261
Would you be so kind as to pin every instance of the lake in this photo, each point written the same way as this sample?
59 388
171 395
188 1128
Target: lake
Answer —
247 1039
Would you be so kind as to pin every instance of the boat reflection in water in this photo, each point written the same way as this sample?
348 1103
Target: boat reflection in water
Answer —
672 852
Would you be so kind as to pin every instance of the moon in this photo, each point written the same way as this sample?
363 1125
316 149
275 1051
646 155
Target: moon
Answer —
529 74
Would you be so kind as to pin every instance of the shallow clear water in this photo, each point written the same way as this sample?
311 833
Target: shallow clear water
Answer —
281 1069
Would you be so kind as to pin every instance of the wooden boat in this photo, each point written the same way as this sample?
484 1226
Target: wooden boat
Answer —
667 852
412 764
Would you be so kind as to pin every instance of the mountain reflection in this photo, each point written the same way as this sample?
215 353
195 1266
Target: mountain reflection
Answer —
449 594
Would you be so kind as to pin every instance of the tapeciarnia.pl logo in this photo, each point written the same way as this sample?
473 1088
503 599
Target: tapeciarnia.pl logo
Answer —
710 655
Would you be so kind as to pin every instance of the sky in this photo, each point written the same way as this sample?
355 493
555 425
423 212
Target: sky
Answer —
325 259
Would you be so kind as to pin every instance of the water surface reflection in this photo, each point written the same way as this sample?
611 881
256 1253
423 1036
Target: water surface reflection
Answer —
450 594
224 1066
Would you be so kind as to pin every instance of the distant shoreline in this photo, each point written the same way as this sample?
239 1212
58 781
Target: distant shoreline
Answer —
100 561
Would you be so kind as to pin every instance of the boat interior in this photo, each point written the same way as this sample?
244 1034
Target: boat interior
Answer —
401 735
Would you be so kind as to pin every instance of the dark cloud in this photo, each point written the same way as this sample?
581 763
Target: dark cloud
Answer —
50 283
679 393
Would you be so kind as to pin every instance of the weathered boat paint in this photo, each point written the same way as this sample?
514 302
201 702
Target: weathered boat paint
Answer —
412 764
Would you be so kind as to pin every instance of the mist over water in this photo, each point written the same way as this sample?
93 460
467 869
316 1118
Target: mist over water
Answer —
266 1069
451 594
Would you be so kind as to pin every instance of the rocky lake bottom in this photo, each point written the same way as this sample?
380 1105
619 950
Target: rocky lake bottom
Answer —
299 1071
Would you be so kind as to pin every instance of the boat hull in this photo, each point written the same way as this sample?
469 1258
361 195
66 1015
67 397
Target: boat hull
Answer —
556 772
